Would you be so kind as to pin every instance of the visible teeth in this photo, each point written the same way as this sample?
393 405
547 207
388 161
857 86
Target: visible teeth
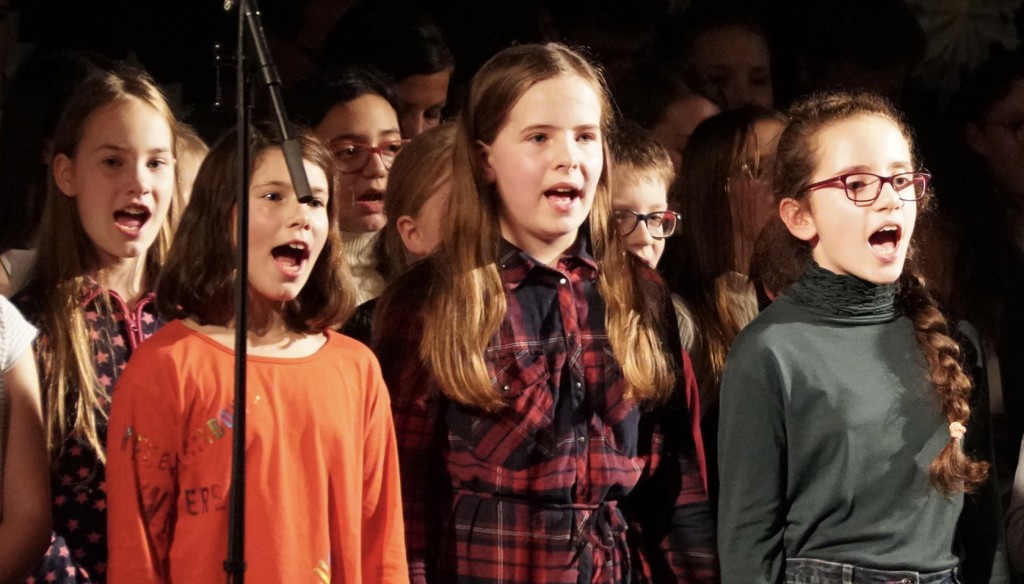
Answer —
298 246
888 228
565 190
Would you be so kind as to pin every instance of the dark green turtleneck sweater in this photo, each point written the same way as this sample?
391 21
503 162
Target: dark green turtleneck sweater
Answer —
828 426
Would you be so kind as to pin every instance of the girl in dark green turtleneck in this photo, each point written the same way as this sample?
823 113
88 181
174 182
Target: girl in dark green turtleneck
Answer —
844 403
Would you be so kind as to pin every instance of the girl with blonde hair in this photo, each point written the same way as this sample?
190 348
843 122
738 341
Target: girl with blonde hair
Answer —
102 240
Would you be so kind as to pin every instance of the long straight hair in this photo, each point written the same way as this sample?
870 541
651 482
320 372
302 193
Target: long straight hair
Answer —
466 302
706 248
796 159
73 395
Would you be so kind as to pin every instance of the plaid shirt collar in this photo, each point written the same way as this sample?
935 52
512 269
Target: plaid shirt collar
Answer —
516 264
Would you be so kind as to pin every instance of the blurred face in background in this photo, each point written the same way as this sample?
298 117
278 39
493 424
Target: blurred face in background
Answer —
678 122
999 139
749 188
420 100
737 61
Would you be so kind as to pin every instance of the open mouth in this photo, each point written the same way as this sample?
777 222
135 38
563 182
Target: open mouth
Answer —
370 197
886 240
371 202
563 197
291 256
131 219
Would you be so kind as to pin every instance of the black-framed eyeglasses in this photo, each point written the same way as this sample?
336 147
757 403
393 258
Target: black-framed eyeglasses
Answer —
1014 127
660 224
354 156
864 187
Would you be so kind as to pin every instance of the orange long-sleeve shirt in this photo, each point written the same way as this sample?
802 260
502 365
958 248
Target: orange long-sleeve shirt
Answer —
323 500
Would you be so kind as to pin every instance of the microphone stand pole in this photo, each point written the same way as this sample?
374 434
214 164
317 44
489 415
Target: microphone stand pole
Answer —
249 20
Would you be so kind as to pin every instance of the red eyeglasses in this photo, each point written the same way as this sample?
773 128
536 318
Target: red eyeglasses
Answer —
864 187
354 156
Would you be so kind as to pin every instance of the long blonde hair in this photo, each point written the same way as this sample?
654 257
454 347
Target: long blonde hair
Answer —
466 302
73 395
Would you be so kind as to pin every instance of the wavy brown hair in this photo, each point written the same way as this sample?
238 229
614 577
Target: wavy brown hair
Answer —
466 300
796 159
198 278
73 396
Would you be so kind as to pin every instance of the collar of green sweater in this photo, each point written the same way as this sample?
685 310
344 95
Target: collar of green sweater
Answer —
843 295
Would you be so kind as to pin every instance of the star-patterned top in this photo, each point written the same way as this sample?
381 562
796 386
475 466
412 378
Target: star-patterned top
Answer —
78 551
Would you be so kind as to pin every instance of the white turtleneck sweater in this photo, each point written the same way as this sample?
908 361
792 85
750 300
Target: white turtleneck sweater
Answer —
360 253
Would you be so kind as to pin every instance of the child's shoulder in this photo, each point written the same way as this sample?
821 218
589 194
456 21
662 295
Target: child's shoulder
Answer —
340 342
345 347
352 358
173 338
416 280
163 355
404 299
29 302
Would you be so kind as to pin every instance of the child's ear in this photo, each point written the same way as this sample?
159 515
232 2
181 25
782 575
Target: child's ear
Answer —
64 174
798 219
484 152
410 235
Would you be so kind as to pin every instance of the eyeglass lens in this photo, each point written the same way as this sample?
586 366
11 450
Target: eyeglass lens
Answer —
660 224
864 188
354 157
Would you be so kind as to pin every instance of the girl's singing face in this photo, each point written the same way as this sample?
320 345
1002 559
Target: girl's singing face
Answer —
122 178
367 121
869 241
285 236
546 162
420 101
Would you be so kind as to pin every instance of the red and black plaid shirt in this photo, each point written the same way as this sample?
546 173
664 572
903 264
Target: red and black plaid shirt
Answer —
572 482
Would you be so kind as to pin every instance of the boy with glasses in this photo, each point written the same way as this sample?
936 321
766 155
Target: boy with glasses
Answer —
642 177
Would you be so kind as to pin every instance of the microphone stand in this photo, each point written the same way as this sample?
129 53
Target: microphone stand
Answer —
249 21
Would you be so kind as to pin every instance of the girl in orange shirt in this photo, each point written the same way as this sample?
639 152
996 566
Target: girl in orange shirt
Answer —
322 492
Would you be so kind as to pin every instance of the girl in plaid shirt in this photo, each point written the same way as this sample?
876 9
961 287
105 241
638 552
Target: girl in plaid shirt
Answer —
537 381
